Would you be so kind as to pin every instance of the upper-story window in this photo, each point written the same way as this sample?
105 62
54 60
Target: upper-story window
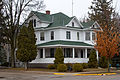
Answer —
42 38
72 24
67 34
87 35
78 36
33 22
93 36
52 35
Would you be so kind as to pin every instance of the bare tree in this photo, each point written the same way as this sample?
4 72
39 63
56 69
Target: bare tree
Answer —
15 10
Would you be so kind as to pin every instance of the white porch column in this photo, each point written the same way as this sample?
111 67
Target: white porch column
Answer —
73 52
38 54
85 52
97 54
43 52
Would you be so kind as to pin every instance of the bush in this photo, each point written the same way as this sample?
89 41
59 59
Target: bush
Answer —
5 64
69 66
92 63
59 58
103 62
77 67
85 65
62 68
51 66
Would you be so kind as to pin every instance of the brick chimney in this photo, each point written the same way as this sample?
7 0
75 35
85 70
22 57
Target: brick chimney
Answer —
48 12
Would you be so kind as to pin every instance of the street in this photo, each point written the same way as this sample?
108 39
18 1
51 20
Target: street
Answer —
37 76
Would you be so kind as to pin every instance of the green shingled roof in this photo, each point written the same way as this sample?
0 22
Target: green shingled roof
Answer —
42 16
87 24
58 19
61 42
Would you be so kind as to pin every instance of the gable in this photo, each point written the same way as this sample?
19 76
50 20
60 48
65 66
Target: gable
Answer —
42 16
74 23
95 26
90 25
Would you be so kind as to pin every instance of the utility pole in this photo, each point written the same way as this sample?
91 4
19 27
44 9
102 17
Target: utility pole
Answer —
72 7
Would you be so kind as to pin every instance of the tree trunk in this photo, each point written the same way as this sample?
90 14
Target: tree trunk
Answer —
12 57
25 65
109 65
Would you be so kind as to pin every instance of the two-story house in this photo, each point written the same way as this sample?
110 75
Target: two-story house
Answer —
59 30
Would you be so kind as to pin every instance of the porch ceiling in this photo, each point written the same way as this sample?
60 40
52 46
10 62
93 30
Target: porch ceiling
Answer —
64 43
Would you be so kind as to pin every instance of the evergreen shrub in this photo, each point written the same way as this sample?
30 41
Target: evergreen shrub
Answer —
92 63
85 65
103 62
62 68
51 66
77 67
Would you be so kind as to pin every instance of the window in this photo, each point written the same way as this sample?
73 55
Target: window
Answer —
82 54
77 35
93 36
42 36
87 36
52 35
67 34
88 52
34 23
31 21
41 53
72 24
67 53
52 53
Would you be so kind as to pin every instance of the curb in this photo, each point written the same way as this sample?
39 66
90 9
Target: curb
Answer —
85 74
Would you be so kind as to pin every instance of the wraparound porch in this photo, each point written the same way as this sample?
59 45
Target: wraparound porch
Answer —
71 55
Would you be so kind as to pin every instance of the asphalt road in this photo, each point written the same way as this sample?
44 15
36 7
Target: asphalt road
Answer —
37 76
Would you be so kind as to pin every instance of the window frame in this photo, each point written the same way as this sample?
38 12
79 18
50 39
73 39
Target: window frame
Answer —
87 36
73 24
42 38
34 22
94 36
68 35
78 36
52 35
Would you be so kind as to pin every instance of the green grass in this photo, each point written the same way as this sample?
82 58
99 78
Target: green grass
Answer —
33 69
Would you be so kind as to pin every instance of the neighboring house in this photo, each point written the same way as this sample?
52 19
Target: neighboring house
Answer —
59 30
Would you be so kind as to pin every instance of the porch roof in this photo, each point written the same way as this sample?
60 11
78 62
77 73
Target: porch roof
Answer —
62 42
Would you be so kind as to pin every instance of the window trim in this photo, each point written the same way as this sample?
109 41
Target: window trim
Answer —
73 24
78 36
86 37
94 36
52 35
68 35
34 22
42 38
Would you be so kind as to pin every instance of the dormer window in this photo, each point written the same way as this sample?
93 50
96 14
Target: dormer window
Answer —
72 24
34 23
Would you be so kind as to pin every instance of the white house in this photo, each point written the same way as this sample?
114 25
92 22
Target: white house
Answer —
59 30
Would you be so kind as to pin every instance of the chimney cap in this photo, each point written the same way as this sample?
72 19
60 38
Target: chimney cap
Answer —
48 12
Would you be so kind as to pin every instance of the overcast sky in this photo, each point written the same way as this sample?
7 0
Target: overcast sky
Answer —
80 7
